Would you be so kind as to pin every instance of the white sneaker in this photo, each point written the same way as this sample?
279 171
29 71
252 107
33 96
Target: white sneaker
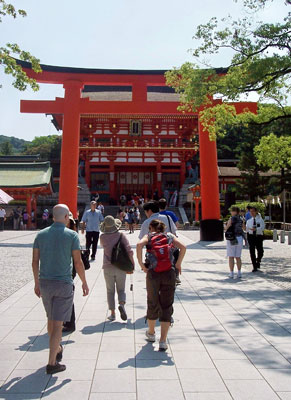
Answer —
111 317
163 346
150 338
230 275
238 274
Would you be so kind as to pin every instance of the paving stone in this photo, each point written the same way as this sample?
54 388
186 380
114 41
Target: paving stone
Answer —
67 388
168 389
201 380
113 360
114 381
237 369
208 396
26 381
279 379
112 396
250 390
156 369
193 359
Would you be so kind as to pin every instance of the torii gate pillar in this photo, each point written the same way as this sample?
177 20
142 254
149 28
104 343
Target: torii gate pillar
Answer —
68 192
211 226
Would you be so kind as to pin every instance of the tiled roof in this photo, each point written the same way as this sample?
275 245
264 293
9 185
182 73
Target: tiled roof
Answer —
25 174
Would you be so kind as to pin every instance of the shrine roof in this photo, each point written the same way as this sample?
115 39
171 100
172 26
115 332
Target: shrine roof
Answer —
78 70
235 172
25 175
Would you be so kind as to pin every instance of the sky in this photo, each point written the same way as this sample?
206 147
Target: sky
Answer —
133 34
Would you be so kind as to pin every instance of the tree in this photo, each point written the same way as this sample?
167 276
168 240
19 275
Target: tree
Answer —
261 63
275 153
11 51
48 147
6 149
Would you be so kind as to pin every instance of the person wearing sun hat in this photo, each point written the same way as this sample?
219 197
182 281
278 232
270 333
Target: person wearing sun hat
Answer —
115 278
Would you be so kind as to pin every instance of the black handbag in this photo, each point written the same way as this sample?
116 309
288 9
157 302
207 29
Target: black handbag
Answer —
85 258
120 257
229 234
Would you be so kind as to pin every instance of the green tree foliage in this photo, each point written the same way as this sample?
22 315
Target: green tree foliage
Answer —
6 149
17 144
274 152
48 147
261 63
10 51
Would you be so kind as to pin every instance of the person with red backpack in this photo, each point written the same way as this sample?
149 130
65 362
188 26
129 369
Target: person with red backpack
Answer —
161 277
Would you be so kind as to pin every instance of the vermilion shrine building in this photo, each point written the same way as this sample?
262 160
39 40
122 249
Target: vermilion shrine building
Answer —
123 133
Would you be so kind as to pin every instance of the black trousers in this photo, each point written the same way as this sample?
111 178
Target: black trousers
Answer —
92 240
1 224
256 243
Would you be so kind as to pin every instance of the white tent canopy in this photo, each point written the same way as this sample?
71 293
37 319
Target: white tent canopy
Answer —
4 197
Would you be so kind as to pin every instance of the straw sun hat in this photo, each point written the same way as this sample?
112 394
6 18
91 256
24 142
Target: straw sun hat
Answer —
110 225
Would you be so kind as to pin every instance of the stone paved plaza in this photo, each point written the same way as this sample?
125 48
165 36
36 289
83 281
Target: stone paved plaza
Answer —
231 339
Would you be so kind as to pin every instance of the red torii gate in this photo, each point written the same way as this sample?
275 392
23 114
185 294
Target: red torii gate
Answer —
72 106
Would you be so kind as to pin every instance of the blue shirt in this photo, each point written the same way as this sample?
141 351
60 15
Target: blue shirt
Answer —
92 219
248 216
55 245
170 214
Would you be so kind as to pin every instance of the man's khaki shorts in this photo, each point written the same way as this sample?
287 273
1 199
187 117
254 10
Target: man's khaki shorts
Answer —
57 298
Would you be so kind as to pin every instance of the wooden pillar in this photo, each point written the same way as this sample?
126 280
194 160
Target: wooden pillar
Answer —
87 171
28 209
182 172
68 193
112 183
197 210
211 228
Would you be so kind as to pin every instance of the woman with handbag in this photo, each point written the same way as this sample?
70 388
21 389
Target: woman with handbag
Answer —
115 277
234 241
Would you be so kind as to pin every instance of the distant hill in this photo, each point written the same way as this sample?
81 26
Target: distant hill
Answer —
17 144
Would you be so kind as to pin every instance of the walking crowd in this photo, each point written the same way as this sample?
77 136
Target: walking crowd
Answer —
57 258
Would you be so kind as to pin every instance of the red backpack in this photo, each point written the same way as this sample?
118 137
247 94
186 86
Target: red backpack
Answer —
159 255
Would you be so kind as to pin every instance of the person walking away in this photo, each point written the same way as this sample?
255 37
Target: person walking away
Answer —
33 220
115 278
173 199
2 218
248 213
235 245
70 325
131 220
92 219
53 250
126 219
136 213
122 200
167 195
45 218
25 218
161 277
100 207
163 211
151 209
255 229
120 215
16 218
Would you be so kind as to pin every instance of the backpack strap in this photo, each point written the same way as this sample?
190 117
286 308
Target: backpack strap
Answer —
169 222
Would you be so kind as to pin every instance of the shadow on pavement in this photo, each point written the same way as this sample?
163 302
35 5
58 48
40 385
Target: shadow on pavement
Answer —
31 386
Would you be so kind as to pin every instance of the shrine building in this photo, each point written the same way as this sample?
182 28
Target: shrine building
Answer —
123 134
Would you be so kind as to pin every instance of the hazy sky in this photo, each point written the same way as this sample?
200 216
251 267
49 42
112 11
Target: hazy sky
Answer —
134 34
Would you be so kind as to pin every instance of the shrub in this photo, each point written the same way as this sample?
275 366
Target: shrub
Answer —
260 206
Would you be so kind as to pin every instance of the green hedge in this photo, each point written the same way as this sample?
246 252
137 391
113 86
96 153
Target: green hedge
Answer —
260 206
